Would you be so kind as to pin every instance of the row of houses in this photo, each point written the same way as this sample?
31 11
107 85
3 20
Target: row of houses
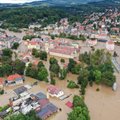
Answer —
59 47
8 41
23 102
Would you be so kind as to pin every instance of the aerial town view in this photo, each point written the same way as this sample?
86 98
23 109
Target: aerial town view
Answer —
60 60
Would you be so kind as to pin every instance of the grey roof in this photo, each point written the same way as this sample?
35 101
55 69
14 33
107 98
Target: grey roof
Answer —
52 107
41 95
2 114
48 110
20 90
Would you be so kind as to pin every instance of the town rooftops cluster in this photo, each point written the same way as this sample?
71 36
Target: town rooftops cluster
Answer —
24 102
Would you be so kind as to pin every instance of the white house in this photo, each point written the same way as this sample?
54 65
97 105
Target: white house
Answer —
54 91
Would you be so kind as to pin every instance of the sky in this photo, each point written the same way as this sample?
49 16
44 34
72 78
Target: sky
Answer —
16 1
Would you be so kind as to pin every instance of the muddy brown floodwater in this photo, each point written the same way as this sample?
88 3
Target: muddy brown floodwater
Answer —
105 104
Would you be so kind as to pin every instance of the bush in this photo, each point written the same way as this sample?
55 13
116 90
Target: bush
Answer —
97 89
1 92
4 108
62 60
43 55
72 85
53 81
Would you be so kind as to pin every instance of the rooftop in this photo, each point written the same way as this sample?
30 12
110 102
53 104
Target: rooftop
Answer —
13 77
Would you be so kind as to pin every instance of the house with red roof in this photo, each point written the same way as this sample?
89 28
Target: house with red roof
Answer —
33 44
54 91
64 51
14 79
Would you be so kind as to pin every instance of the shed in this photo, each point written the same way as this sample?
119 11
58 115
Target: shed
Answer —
69 104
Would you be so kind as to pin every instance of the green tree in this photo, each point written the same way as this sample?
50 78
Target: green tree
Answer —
53 81
83 79
7 69
6 60
1 71
63 73
31 71
98 76
42 74
18 67
35 53
40 64
7 52
53 60
43 55
76 69
79 113
108 78
80 110
30 116
72 85
29 37
15 45
71 65
78 101
55 68
52 37
62 60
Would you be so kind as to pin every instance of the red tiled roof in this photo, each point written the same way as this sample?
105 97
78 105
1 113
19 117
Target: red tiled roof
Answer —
33 43
63 50
53 89
13 77
1 81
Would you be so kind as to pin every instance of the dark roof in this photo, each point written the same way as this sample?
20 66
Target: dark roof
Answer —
52 107
20 90
44 113
41 95
48 110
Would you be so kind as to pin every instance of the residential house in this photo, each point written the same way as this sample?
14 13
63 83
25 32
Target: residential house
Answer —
33 44
14 79
54 91
64 51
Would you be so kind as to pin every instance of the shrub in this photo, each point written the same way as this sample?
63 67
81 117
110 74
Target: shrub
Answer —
97 89
1 92
53 81
72 85
62 60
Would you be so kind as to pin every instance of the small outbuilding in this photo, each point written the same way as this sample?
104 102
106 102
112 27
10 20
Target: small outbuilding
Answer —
69 104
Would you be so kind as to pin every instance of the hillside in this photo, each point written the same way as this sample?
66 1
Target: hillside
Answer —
50 3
